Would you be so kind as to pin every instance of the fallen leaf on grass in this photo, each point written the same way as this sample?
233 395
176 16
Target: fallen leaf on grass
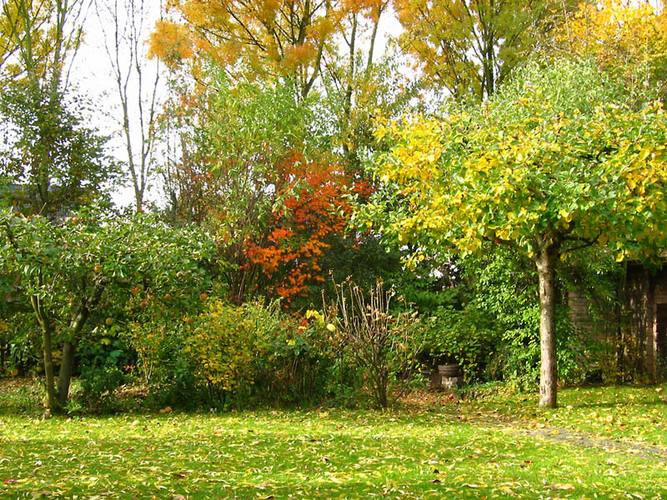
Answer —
563 487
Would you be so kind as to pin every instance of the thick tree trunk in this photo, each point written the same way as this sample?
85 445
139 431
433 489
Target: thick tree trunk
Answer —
545 262
65 375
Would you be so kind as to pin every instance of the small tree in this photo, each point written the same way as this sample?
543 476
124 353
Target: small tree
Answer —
58 160
70 272
560 158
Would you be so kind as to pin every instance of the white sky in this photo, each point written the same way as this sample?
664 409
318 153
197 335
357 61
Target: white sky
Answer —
92 74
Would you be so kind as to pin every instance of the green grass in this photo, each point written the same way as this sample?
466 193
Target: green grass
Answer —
499 446
625 413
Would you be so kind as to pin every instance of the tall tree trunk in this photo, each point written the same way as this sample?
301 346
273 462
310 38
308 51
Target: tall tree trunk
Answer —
545 262
349 91
65 375
651 345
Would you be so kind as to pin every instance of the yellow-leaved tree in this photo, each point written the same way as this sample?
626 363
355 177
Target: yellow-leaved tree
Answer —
626 37
469 47
38 39
561 157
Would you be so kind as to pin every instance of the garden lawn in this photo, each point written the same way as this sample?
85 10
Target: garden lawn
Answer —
500 446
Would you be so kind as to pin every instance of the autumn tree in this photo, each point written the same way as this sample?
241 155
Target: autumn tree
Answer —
40 38
231 180
20 21
624 37
247 110
327 47
558 159
312 209
468 47
275 39
56 159
263 179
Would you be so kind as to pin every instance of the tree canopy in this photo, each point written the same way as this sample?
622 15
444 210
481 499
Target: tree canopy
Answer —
560 157
73 271
628 39
469 47
284 38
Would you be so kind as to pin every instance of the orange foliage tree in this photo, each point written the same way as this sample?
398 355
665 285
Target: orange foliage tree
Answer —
265 38
255 64
313 209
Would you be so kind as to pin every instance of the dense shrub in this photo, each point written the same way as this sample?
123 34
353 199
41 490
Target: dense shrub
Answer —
98 385
228 354
468 337
104 358
257 353
293 360
221 346
503 288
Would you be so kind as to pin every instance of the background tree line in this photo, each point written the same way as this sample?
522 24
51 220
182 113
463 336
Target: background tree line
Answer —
495 155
